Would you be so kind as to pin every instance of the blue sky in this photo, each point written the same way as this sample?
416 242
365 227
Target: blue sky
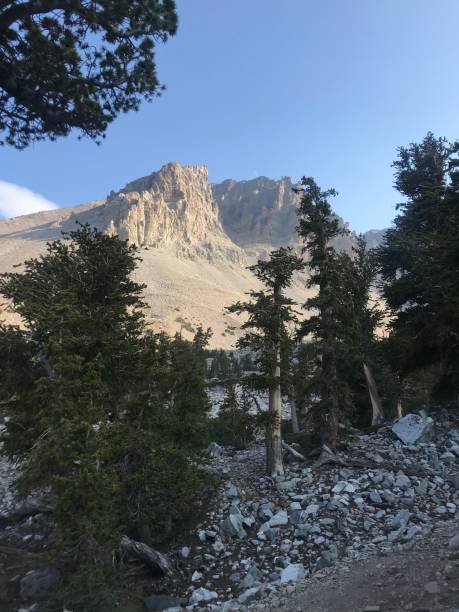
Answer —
326 88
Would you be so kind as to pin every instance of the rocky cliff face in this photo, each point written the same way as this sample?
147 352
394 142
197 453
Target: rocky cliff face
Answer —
257 212
260 214
171 208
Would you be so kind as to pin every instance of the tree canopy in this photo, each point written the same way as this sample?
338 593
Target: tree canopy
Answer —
419 262
76 64
105 417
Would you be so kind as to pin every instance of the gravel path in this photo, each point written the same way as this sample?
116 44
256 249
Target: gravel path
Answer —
424 579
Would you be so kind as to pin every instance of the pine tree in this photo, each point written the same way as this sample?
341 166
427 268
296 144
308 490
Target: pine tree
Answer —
269 312
360 316
237 417
419 263
317 226
105 416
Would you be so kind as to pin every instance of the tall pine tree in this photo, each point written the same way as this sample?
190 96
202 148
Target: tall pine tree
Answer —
419 263
317 226
269 312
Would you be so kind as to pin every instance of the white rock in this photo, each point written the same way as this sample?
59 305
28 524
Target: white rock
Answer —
279 519
202 595
293 573
413 428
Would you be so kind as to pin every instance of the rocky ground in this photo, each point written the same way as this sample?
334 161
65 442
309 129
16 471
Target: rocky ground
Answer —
423 577
374 531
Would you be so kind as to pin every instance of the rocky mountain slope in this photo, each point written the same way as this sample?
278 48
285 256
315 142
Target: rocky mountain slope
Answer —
195 240
260 214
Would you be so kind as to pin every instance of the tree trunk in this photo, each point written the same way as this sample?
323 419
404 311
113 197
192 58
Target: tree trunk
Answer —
156 561
295 426
274 463
378 413
328 416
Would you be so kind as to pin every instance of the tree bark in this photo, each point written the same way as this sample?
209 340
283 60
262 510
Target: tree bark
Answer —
152 558
293 452
294 413
328 417
378 413
274 463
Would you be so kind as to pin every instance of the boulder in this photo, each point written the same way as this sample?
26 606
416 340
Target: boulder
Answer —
401 519
215 450
327 558
250 595
413 429
37 583
233 526
292 573
202 595
232 492
402 481
252 576
279 519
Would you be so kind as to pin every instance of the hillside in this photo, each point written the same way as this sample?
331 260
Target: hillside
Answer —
195 240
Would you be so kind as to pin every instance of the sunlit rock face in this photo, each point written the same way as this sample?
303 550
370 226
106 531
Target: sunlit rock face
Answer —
172 207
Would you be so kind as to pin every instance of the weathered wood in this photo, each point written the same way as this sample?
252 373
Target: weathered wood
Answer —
274 464
156 561
378 413
399 409
327 456
292 451
294 416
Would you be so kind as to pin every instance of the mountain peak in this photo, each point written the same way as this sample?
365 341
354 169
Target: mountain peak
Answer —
173 208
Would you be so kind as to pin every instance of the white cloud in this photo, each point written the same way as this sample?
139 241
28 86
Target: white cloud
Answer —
16 200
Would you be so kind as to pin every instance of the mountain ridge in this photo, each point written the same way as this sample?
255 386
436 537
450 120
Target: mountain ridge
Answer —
195 239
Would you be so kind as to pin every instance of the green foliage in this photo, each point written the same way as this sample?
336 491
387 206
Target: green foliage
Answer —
237 416
107 417
317 227
269 312
419 264
360 317
67 65
224 366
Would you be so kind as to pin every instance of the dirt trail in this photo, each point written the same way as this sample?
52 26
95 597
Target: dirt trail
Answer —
424 579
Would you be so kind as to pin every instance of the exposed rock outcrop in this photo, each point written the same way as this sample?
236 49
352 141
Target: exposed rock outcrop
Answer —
260 214
259 211
172 207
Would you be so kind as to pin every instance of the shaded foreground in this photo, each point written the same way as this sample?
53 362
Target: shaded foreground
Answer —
352 527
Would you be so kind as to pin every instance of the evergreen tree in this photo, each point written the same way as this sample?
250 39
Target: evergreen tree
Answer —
106 417
237 417
419 263
360 317
76 65
269 312
317 226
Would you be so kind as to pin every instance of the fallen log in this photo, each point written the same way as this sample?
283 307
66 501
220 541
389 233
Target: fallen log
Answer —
327 456
153 559
293 452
